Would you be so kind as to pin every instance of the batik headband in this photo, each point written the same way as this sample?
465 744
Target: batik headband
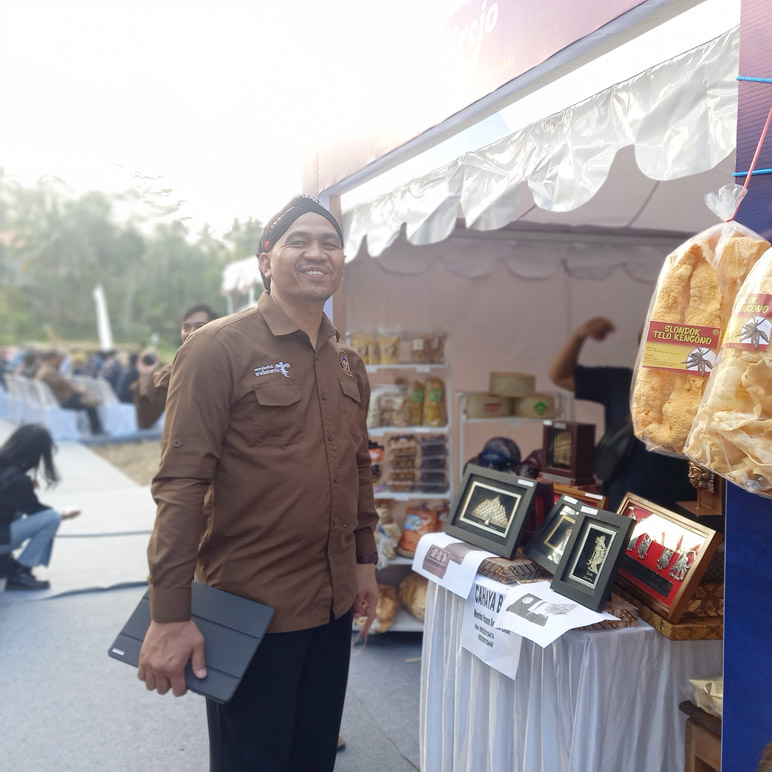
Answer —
280 223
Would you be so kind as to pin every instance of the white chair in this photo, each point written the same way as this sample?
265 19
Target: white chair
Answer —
63 424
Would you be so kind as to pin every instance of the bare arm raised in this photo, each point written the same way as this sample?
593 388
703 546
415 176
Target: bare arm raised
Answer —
561 371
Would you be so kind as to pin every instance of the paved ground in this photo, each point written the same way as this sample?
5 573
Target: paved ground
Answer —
65 706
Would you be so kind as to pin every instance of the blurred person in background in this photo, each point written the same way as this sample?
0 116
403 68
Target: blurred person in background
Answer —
129 376
153 384
69 396
23 518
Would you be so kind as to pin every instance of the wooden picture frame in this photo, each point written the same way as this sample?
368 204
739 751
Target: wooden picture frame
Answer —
592 556
549 542
490 509
589 497
665 558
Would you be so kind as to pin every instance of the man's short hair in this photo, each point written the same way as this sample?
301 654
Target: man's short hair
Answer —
198 309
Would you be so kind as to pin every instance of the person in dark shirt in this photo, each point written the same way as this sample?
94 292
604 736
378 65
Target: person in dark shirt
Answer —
23 518
658 478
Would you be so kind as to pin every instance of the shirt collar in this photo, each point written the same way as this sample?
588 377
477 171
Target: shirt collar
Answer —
280 324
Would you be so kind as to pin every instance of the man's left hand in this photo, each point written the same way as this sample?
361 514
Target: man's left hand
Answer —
367 594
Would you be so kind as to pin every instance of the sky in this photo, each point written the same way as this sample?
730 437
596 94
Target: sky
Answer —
213 99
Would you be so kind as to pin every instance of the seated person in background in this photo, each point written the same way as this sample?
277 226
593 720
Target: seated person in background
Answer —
22 517
129 376
68 396
658 478
153 384
111 368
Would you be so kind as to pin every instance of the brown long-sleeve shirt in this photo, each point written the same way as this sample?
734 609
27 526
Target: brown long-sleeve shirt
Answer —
278 430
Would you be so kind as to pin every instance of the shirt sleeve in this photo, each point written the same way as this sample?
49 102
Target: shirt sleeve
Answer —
367 517
197 416
150 396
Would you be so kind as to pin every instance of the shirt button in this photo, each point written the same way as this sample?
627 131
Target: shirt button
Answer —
324 395
335 479
335 520
177 443
329 437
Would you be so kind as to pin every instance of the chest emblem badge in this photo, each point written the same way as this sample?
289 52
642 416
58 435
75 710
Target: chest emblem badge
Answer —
345 365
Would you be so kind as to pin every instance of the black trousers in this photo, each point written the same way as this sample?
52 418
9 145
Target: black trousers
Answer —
75 402
285 715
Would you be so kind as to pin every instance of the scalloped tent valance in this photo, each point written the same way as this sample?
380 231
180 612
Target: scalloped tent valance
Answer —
670 132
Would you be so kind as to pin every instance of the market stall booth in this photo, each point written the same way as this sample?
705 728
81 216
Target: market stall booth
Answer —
577 211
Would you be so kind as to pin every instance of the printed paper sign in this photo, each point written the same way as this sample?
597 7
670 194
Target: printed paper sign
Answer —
683 348
542 615
448 561
500 649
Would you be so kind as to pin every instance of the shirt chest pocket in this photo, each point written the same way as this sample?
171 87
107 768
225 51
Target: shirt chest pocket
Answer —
352 404
278 414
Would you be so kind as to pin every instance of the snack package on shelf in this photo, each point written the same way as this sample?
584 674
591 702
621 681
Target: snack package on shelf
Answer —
401 455
419 519
417 395
367 346
385 611
387 533
412 594
394 408
377 457
435 413
427 348
389 343
687 318
732 432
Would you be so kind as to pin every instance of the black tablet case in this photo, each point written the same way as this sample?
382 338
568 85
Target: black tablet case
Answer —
232 627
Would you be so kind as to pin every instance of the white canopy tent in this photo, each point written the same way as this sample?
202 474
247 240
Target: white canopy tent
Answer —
602 190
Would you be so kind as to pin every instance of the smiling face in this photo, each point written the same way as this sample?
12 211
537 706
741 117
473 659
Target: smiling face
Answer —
305 265
193 323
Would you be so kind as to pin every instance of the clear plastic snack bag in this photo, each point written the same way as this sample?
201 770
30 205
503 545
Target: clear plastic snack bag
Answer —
687 318
732 432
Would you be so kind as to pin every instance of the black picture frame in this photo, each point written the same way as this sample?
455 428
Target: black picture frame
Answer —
490 509
550 540
584 575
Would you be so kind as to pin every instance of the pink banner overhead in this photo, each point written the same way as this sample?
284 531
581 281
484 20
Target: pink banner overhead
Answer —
411 71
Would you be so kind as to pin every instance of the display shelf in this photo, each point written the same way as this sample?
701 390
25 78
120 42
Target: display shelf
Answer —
508 420
412 495
396 570
419 368
405 622
380 431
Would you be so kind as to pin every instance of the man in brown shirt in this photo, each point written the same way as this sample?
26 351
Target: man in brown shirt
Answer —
151 388
268 408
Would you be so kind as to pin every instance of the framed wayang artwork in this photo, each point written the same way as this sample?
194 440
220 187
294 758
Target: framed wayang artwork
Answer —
665 558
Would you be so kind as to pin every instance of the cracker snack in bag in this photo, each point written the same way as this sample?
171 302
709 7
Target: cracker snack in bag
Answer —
687 318
732 431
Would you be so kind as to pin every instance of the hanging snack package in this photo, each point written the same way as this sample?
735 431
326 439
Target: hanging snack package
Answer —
417 393
732 432
687 318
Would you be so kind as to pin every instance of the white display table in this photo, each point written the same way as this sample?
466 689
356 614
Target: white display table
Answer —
594 701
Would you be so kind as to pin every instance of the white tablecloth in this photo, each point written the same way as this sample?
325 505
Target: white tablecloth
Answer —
594 701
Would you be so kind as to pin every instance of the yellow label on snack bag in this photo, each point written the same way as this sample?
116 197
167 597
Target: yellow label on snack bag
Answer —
685 348
751 325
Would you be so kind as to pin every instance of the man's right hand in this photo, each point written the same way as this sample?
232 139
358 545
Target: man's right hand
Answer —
596 328
165 651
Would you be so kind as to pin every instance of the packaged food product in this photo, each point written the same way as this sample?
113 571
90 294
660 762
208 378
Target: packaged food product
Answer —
387 533
434 403
417 392
394 408
732 431
419 519
358 341
687 318
389 343
412 594
512 384
420 352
